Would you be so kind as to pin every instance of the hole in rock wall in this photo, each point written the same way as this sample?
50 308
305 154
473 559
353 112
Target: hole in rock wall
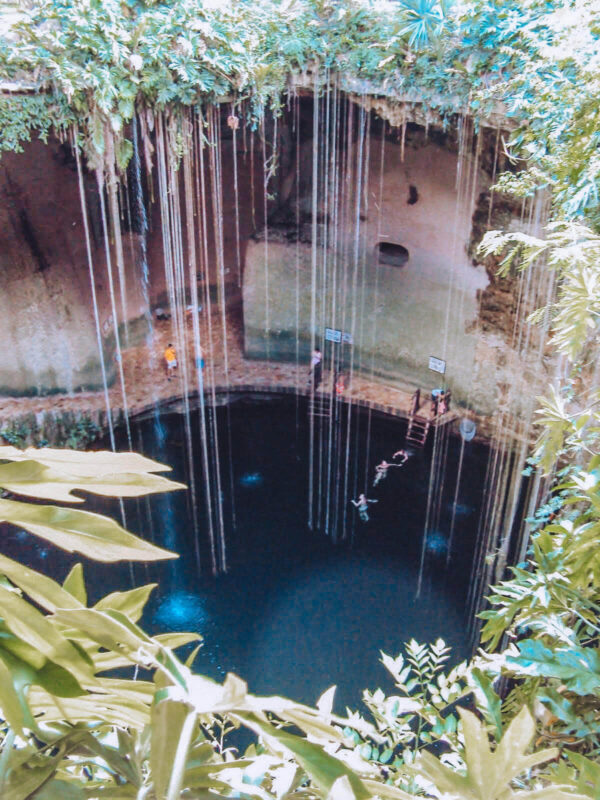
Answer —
392 255
413 195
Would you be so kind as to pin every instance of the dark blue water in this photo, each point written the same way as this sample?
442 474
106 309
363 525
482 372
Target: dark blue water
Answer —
297 612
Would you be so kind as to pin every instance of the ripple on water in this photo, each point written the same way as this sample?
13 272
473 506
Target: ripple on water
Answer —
179 609
251 480
437 543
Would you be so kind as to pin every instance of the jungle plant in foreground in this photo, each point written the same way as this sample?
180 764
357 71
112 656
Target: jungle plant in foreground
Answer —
71 730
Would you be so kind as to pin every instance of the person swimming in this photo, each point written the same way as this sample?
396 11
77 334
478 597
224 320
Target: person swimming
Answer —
363 506
381 470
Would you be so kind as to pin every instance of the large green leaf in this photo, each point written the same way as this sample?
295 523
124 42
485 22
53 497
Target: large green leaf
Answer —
109 660
92 535
489 774
117 760
22 782
43 590
172 727
60 790
29 770
94 707
13 698
74 583
322 768
588 780
112 630
87 464
34 479
493 703
130 603
577 667
384 790
28 624
112 792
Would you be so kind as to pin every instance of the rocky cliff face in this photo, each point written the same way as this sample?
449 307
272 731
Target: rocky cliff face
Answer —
395 271
47 326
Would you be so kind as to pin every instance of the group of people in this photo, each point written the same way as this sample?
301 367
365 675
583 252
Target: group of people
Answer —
381 472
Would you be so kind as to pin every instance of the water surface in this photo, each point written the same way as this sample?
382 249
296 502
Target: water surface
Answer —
296 611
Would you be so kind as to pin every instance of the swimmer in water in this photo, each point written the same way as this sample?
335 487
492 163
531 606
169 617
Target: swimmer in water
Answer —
381 470
403 455
363 506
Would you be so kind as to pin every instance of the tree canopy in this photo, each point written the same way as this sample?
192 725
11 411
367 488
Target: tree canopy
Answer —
532 62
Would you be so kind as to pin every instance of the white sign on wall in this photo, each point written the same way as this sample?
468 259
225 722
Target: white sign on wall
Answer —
335 335
437 364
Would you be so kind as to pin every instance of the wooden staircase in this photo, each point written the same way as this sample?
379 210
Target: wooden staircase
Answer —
418 428
319 405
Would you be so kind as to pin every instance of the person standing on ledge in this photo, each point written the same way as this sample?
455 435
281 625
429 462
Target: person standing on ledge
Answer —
316 369
170 360
438 397
363 506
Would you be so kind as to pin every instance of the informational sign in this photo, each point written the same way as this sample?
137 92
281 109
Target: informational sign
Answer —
335 335
437 364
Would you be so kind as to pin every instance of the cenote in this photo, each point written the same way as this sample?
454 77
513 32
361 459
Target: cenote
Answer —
297 611
273 247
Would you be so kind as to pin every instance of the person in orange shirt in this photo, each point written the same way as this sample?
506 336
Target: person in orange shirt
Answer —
170 360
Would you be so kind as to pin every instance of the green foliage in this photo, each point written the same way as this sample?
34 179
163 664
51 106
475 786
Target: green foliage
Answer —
533 61
71 730
537 59
54 474
121 55
568 425
65 429
423 714
21 115
489 774
164 726
424 21
550 605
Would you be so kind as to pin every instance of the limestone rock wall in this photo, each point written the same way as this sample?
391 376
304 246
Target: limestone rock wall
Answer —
441 302
397 316
47 323
47 328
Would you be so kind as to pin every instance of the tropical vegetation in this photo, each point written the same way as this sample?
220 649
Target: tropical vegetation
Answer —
522 718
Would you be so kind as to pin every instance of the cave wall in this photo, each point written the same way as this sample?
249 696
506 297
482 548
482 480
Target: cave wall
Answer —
46 313
441 302
399 315
47 327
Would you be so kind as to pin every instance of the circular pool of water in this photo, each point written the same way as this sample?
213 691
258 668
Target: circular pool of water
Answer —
299 609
